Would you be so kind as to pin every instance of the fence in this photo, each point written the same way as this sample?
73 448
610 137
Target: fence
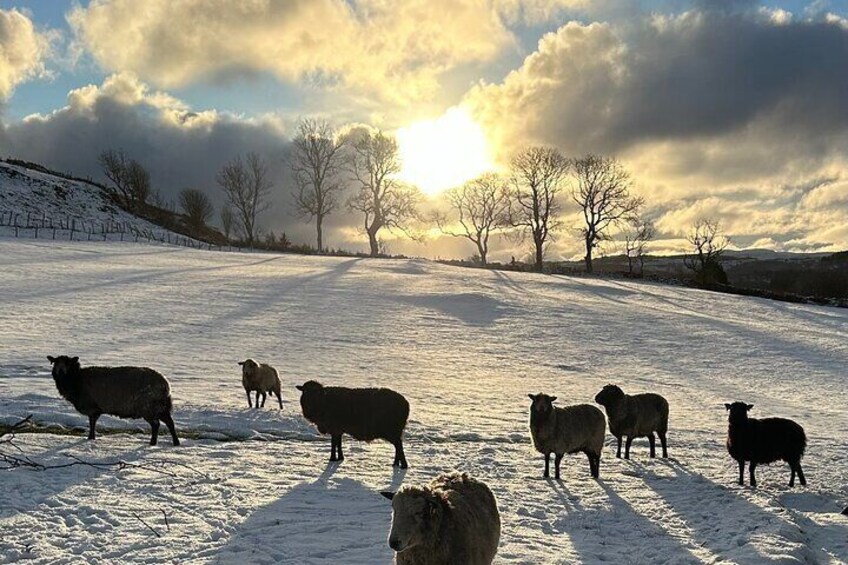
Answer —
69 228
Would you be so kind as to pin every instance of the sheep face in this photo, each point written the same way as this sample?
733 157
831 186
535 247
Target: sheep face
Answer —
63 365
311 399
416 517
248 366
738 412
542 404
609 395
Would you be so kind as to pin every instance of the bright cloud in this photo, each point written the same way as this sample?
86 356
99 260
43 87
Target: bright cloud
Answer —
22 51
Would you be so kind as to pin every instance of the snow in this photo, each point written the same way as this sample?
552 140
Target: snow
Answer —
465 347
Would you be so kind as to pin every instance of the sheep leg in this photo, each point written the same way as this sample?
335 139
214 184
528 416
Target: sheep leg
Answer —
557 461
169 421
618 452
256 404
751 473
154 430
339 453
627 447
249 400
792 475
92 422
333 448
264 398
400 458
741 472
547 465
653 441
664 445
279 398
597 473
593 470
800 474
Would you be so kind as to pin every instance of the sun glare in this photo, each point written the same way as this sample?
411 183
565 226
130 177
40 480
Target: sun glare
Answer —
442 153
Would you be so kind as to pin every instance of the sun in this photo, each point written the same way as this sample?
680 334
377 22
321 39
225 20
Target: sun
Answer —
443 153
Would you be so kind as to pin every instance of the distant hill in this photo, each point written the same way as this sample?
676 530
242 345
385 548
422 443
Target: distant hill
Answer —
37 202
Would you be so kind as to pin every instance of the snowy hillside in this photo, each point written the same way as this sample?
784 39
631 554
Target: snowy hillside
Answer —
32 199
465 347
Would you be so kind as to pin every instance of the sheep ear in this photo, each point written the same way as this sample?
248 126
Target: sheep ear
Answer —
532 396
298 387
726 405
51 359
553 398
241 363
75 359
749 406
388 494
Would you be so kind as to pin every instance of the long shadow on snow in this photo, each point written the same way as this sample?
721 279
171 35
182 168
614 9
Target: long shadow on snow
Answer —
720 520
616 533
326 521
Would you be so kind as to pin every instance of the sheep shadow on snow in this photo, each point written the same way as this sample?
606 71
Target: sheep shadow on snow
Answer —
328 520
720 518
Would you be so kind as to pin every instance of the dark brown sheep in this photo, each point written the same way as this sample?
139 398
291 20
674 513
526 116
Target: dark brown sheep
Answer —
764 441
637 415
125 392
365 414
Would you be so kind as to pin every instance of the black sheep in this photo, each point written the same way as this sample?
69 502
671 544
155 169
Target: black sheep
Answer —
365 414
125 392
764 441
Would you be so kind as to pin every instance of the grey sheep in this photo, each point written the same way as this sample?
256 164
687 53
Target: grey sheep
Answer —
262 379
454 519
125 392
570 429
365 414
638 415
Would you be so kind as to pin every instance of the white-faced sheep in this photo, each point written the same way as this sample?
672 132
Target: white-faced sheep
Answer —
452 520
764 441
262 379
125 392
571 429
637 415
365 414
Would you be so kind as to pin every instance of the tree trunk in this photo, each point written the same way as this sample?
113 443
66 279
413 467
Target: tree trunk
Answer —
482 251
372 241
320 229
539 255
588 255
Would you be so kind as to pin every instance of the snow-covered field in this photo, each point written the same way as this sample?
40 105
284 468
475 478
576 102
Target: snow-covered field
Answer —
465 347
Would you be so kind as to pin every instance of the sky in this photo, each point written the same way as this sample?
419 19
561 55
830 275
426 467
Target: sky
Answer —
733 109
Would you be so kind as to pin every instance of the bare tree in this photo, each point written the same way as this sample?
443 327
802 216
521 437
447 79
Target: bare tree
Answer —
196 206
480 206
247 187
129 178
708 243
602 192
641 232
227 220
537 175
316 162
383 200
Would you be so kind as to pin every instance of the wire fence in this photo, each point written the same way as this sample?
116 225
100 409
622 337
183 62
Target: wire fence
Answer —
69 228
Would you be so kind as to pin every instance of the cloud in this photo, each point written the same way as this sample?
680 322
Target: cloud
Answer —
394 52
22 51
733 111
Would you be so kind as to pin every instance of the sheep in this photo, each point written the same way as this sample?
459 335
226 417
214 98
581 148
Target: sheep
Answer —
764 441
454 519
566 430
261 378
365 414
125 392
637 415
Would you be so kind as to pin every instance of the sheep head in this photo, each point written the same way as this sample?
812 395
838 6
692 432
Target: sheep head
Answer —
64 365
248 366
609 395
416 517
738 411
542 404
311 399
